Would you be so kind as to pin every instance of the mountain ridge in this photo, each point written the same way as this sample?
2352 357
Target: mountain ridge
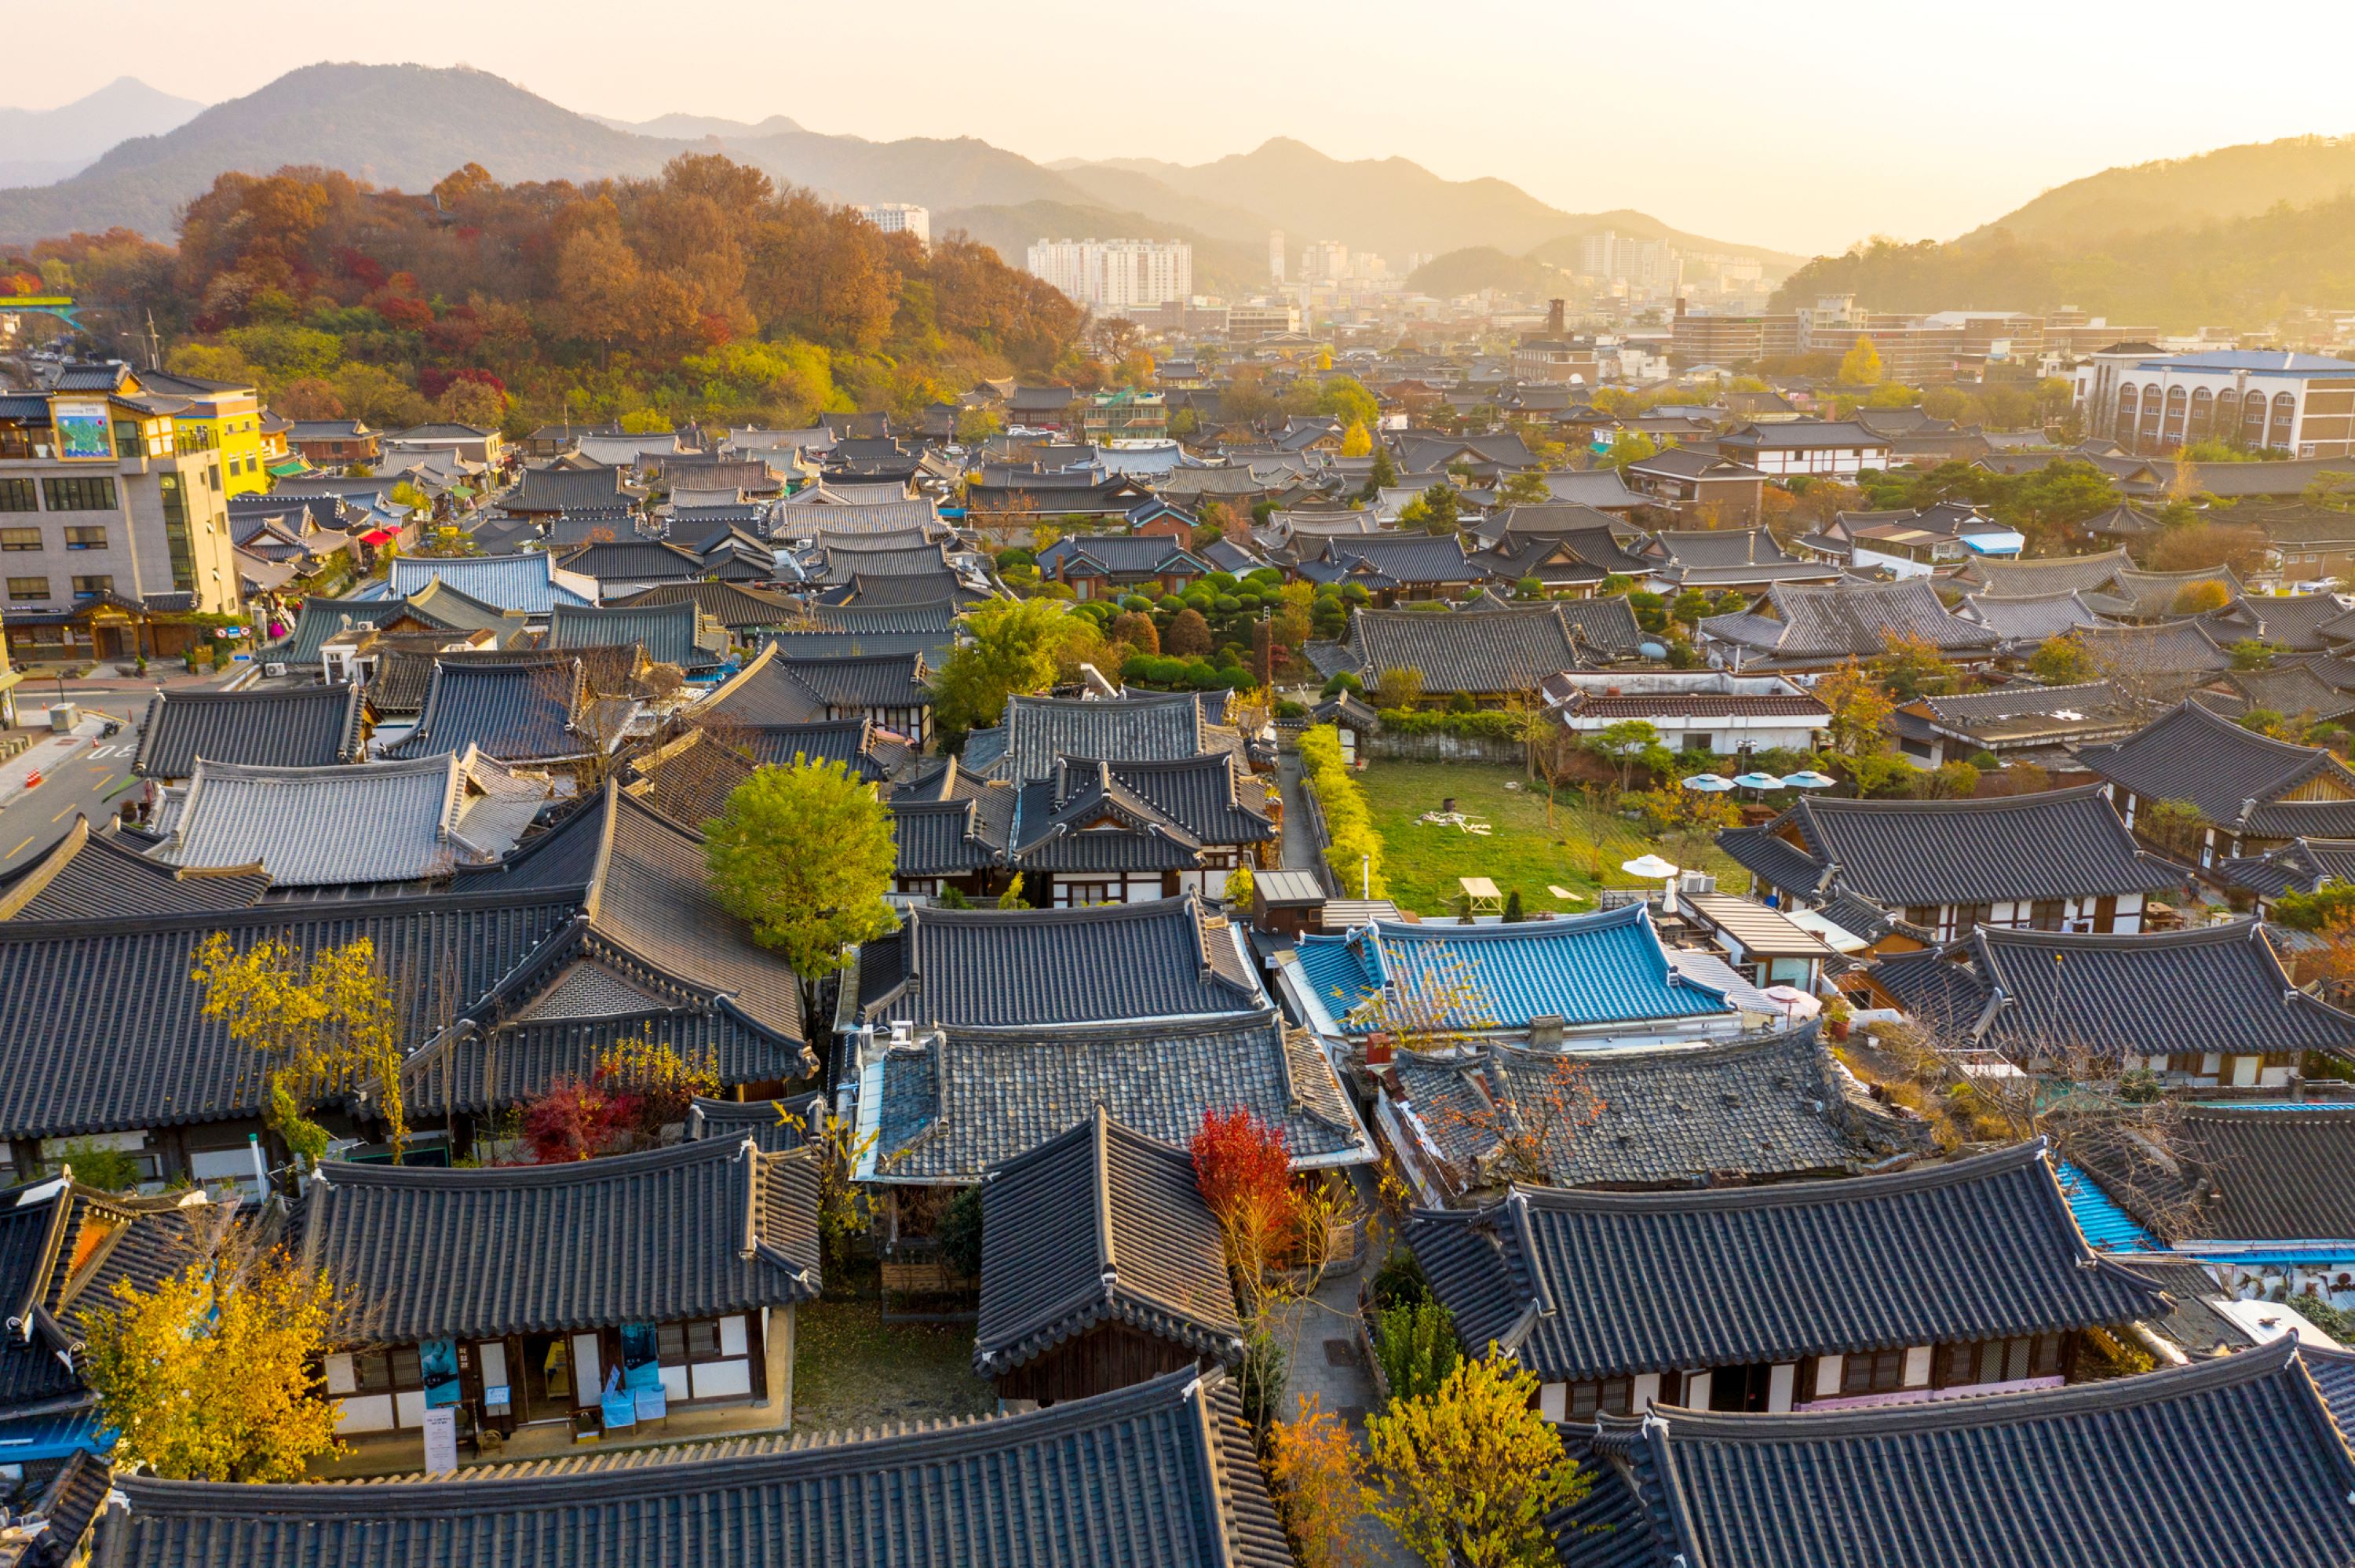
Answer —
44 145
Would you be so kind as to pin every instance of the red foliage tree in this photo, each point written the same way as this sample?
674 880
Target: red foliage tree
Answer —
570 1120
1244 1173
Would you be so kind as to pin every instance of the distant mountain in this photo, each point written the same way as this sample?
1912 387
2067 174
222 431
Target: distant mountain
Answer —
408 126
2173 193
694 127
400 125
1390 205
39 145
1478 267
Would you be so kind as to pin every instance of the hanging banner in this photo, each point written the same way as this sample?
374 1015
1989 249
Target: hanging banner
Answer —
81 430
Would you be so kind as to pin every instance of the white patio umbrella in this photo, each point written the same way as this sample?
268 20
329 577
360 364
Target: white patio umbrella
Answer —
1795 1003
1713 782
1808 779
1652 868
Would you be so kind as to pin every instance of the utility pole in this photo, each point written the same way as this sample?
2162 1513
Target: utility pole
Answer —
155 345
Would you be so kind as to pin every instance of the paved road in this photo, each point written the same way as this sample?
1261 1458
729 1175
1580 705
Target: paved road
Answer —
91 778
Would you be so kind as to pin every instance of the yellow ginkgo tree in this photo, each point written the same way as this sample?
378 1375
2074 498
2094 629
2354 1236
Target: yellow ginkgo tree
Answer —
324 1021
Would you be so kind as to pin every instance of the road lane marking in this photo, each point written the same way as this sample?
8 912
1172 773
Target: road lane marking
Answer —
12 853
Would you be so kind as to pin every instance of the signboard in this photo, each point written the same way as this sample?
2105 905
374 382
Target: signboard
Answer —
442 1439
81 430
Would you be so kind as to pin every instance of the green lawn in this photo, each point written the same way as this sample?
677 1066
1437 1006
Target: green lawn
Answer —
851 1370
1423 860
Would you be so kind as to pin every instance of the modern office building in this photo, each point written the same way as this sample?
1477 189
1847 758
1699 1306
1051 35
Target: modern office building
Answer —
900 217
1116 275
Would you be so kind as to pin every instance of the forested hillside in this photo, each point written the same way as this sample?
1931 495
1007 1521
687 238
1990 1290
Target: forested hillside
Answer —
705 291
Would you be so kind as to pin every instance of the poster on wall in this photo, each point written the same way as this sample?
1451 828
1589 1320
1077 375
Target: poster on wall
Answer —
81 430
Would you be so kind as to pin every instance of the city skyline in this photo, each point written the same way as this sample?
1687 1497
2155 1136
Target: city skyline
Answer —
1698 138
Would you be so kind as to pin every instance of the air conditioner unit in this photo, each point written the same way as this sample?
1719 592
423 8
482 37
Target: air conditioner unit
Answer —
275 671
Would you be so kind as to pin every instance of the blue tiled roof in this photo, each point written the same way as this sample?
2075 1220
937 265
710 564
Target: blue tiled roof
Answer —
2107 1226
2249 360
32 1439
528 582
1606 968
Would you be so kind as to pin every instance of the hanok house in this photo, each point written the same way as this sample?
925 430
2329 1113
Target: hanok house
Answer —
1491 659
1162 1472
1108 566
1911 542
2057 860
1035 733
1977 1480
1101 1266
2209 1007
1129 832
1720 560
533 709
1041 968
889 690
64 1245
316 726
1395 567
1967 1277
2302 865
950 829
2018 722
626 1293
942 1108
1690 486
1601 978
1830 448
2240 781
1796 627
1707 710
1720 1114
2262 1195
531 582
678 634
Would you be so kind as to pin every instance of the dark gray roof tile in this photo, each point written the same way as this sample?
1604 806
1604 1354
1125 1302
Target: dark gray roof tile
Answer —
300 726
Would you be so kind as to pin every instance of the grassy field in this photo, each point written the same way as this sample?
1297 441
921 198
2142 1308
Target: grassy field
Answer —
852 1369
1423 860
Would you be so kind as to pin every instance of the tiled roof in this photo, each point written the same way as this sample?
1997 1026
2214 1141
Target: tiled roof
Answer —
861 681
2301 866
2208 989
485 1067
1397 559
775 1126
2029 618
390 821
1031 968
1100 1225
1169 812
2303 818
672 633
1981 1248
800 518
957 1103
2235 1460
694 1231
2020 711
1120 555
89 875
651 901
2146 596
100 1027
629 561
1605 968
2176 648
1035 733
516 707
300 726
568 490
1499 650
530 582
1603 628
2191 754
2056 845
1848 620
2276 1174
1162 1472
1672 1116
320 619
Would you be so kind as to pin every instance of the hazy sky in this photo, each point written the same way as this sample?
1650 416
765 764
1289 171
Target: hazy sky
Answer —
1803 124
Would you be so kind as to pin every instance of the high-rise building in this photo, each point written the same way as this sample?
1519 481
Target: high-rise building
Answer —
1275 255
1116 275
900 217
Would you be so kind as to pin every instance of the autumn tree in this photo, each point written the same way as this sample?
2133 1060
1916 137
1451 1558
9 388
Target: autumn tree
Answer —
1526 488
1357 441
1630 744
1014 646
1860 366
1245 1171
211 1374
1859 711
1188 635
1522 1131
324 1024
804 855
2174 826
2063 659
2207 546
1468 1474
1318 1473
1398 687
2199 597
1909 667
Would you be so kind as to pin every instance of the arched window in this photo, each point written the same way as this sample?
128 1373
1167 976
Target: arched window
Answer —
2129 402
2177 399
2202 412
2154 402
2285 416
2252 419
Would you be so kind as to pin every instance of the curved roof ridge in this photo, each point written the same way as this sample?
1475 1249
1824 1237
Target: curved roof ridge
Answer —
2199 1377
491 1178
1991 803
1990 1166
